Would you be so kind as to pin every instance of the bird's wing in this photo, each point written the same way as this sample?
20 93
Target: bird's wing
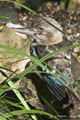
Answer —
57 85
56 89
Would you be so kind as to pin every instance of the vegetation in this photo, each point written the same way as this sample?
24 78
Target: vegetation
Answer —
7 106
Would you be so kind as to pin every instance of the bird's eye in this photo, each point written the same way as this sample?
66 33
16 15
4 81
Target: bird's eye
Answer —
41 28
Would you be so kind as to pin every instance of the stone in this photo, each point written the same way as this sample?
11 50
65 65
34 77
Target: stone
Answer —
10 38
8 12
75 66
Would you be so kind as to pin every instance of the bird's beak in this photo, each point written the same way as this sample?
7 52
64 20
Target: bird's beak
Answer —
25 31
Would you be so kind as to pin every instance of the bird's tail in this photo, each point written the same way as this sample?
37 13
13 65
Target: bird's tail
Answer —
73 100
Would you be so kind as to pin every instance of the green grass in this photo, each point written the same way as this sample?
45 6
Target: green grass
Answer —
9 80
9 83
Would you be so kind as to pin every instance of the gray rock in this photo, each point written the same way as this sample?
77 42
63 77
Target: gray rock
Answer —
9 37
75 66
8 12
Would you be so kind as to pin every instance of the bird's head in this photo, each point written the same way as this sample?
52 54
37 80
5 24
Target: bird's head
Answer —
44 33
47 34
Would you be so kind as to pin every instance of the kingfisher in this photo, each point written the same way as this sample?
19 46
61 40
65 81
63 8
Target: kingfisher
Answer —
57 69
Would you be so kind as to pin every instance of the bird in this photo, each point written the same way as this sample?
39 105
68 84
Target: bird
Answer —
57 69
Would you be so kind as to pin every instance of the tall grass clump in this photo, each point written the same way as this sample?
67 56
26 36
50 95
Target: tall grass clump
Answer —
11 108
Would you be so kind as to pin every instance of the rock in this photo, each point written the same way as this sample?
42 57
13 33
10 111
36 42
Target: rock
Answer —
75 66
10 38
8 12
